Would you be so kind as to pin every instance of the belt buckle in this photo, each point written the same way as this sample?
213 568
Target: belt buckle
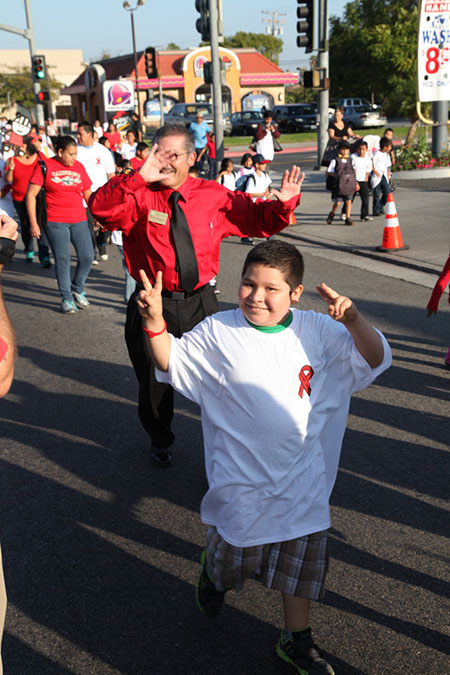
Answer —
178 295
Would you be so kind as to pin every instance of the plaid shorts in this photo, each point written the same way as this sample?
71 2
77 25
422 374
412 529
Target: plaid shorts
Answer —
297 567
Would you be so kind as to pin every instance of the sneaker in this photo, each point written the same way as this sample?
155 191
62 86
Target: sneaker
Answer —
160 456
349 221
45 263
68 307
303 654
208 598
81 300
366 219
102 252
247 240
95 262
216 291
330 217
104 256
29 257
343 216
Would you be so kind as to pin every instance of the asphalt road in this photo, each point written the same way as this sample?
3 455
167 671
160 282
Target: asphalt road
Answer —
101 549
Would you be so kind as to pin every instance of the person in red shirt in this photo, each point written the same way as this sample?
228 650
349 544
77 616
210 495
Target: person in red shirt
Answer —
153 207
18 172
113 136
66 183
142 151
439 288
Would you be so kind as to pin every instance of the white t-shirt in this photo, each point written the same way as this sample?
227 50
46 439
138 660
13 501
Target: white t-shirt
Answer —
258 184
274 409
362 166
98 162
265 148
228 180
6 202
381 162
99 131
128 151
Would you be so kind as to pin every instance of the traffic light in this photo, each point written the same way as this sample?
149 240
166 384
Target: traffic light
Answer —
42 97
305 25
311 79
38 69
150 63
203 23
207 72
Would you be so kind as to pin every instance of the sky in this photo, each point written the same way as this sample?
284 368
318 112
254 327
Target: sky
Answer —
100 25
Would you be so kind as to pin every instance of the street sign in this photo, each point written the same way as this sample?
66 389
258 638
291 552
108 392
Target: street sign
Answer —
118 95
433 51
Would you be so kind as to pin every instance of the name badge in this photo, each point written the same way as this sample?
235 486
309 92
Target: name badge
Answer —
158 217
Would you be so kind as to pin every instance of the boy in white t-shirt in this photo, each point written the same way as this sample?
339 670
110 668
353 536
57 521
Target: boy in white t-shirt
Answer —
274 386
379 179
362 164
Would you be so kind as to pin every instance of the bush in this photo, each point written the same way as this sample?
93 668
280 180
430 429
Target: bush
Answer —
419 156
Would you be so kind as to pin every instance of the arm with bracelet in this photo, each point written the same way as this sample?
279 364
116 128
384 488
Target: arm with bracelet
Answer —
149 302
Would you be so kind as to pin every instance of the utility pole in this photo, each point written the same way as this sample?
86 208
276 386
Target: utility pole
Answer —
323 94
439 133
273 28
28 34
216 78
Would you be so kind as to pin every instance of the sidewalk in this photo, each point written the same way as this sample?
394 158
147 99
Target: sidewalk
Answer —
423 216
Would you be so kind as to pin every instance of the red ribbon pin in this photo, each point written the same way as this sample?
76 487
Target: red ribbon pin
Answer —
305 375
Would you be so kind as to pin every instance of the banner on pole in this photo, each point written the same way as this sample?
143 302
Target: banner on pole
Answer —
433 51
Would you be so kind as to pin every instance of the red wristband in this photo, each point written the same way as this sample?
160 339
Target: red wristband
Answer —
151 334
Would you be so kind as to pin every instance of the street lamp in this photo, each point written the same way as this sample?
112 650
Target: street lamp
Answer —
127 6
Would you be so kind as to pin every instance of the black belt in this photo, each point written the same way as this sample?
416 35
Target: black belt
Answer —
174 295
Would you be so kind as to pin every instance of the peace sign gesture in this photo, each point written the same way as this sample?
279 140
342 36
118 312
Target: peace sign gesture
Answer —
340 307
149 301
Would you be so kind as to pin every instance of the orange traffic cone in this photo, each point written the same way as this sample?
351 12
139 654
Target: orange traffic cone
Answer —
292 220
392 237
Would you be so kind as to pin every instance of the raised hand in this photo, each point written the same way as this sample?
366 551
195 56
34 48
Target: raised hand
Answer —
155 162
8 228
290 184
149 301
340 307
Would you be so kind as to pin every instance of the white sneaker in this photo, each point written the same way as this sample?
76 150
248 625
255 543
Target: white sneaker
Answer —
81 300
104 256
343 216
95 262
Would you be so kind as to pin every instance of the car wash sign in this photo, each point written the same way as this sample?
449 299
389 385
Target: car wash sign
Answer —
118 95
433 52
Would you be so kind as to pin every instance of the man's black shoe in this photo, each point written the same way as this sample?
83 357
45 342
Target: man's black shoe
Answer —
208 598
161 457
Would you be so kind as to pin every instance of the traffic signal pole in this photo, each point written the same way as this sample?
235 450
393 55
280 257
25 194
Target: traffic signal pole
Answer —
323 94
216 79
28 34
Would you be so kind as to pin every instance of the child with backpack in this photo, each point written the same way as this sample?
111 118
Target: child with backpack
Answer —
345 185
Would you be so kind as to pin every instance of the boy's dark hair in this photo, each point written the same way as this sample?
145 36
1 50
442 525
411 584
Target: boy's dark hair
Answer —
125 164
344 144
194 171
141 146
267 114
281 256
388 129
363 143
385 142
102 140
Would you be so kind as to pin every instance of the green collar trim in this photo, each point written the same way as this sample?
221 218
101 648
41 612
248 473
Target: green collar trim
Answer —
272 329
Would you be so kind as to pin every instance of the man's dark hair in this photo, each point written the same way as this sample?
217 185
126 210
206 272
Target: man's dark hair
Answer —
87 126
141 146
281 256
176 130
267 114
385 142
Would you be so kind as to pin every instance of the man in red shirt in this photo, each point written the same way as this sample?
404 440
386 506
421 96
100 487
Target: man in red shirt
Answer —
149 206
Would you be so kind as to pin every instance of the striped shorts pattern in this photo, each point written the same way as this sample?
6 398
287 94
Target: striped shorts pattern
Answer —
297 567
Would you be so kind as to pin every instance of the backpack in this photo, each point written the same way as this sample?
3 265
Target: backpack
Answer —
242 181
346 177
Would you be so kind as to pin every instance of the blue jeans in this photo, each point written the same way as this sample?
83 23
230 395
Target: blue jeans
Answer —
60 236
130 284
380 203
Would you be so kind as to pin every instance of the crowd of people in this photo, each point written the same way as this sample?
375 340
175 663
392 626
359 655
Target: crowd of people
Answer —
357 166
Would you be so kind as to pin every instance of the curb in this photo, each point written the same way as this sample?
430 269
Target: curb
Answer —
363 254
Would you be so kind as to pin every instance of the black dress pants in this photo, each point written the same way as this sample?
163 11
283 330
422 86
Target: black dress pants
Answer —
155 406
364 194
28 240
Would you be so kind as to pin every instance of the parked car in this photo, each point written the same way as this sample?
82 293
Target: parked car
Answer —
294 117
244 123
361 116
185 113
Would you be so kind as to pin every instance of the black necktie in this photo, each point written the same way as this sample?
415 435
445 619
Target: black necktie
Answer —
187 267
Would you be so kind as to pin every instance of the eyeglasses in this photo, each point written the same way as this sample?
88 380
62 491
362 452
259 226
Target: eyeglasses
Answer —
174 156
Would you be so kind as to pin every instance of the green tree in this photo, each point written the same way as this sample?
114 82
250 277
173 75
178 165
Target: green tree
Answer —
269 46
373 49
173 45
18 83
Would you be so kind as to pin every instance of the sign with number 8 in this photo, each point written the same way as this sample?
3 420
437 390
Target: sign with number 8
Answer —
433 65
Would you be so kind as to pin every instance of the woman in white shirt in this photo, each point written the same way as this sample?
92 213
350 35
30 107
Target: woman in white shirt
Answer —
128 147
